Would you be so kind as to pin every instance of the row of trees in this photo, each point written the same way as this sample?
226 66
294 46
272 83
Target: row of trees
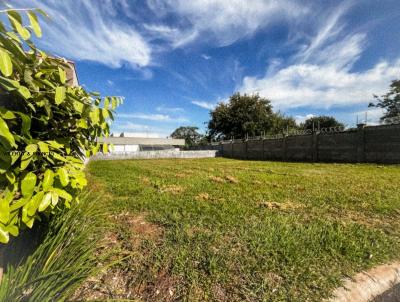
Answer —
253 115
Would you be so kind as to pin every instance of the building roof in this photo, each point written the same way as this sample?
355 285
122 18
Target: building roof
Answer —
141 141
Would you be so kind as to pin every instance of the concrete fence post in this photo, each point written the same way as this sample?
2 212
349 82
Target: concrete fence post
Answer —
284 149
246 156
315 135
263 149
360 143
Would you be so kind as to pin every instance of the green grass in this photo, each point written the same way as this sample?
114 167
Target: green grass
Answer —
231 230
62 255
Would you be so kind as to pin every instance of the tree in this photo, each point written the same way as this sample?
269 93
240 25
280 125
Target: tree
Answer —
321 121
189 134
47 128
242 115
390 102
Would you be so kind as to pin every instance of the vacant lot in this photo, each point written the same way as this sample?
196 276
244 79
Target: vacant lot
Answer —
230 230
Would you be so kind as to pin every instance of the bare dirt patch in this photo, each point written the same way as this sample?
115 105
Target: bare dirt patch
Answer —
118 281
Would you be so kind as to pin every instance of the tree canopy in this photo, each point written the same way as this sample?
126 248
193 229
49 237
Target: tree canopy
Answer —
246 115
189 134
390 102
321 121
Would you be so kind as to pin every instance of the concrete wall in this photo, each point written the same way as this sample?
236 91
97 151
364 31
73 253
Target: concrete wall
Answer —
379 144
156 154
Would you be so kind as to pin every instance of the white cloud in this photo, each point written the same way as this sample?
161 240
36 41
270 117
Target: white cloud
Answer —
321 75
302 118
205 57
140 130
152 117
169 109
205 105
222 21
88 30
110 83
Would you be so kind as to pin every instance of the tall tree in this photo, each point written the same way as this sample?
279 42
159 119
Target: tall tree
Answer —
189 134
390 102
243 114
321 121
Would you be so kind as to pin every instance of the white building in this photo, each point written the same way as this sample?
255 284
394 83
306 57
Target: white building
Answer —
136 144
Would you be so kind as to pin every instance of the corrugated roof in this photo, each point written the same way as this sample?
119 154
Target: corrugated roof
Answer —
141 141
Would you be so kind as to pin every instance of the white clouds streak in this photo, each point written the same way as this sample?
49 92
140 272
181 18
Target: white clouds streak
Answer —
205 105
221 21
152 117
86 30
321 75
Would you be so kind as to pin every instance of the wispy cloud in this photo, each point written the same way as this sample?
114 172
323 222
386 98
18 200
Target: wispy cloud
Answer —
169 109
205 105
205 57
321 75
152 117
140 130
220 21
88 30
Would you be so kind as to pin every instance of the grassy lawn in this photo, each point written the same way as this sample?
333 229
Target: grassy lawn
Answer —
231 230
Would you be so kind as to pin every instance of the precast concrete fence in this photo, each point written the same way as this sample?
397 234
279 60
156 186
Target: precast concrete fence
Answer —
377 144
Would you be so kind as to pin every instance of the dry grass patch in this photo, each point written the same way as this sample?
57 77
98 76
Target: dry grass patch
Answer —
279 205
231 179
216 179
173 189
202 196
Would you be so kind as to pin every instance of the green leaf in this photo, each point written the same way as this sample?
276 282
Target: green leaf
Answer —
63 75
106 102
4 237
8 84
10 177
63 175
14 157
25 160
45 202
54 199
43 147
16 22
48 180
105 148
24 91
60 95
31 148
94 115
26 124
33 204
13 230
6 67
35 24
62 194
6 114
4 211
5 132
28 184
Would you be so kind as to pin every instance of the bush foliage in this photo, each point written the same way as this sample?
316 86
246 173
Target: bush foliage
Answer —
47 128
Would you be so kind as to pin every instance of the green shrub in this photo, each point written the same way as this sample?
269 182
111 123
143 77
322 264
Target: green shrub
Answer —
47 128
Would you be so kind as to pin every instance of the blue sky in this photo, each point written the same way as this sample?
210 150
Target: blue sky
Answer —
174 60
